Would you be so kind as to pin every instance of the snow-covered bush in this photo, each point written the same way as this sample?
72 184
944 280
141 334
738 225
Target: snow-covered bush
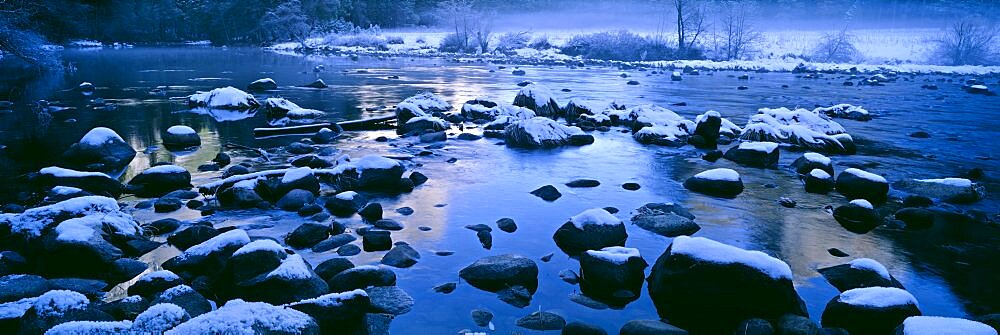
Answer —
541 43
836 48
512 40
968 43
394 39
619 45
456 43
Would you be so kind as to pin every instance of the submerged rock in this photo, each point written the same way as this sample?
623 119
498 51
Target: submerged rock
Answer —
668 219
494 273
952 190
542 321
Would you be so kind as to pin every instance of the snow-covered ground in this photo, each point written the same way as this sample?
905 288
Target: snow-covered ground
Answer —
900 50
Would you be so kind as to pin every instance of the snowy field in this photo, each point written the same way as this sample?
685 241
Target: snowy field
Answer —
901 50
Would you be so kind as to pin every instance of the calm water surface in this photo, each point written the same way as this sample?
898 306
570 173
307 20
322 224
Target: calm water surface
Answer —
951 269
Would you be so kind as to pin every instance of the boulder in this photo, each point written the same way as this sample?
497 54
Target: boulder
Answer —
159 180
307 235
870 310
160 318
345 203
797 324
241 195
154 282
333 242
292 280
818 181
401 256
389 299
858 216
612 274
952 190
209 257
859 184
361 277
754 326
494 273
92 182
167 205
541 132
754 154
56 307
332 267
542 321
547 193
423 124
858 273
76 247
376 240
191 236
343 312
581 328
707 127
810 161
295 199
101 148
667 219
725 183
372 212
592 229
538 99
19 286
181 137
706 286
225 98
943 325
915 218
262 84
240 317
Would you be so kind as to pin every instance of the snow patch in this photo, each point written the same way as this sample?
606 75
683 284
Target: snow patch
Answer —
958 182
166 275
295 174
74 231
817 173
866 175
862 203
260 245
333 299
238 317
715 252
91 327
719 174
938 325
765 147
56 171
224 98
99 136
375 162
292 267
180 130
616 255
160 317
98 208
428 101
57 302
229 238
877 297
346 195
164 169
816 158
869 264
594 216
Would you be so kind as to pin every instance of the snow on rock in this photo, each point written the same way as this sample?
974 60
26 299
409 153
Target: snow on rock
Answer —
280 110
661 135
34 220
877 297
759 146
539 99
57 302
333 299
952 190
957 182
219 242
594 216
56 171
844 111
168 168
159 318
859 184
375 162
870 265
15 309
180 130
866 175
429 102
100 136
224 98
719 174
292 267
707 250
422 124
262 84
615 255
346 195
938 325
816 158
238 317
820 174
260 245
165 275
296 174
540 132
862 203
652 115
799 127
74 231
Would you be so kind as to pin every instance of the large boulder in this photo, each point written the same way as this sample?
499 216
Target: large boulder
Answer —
818 181
361 277
20 286
705 286
495 273
801 128
858 273
428 102
302 178
542 132
341 313
240 317
810 161
754 154
707 128
292 280
159 180
92 182
665 219
859 184
185 297
953 190
927 325
181 137
538 99
76 247
242 194
345 203
101 149
613 274
672 135
154 282
592 229
226 98
870 310
56 307
721 182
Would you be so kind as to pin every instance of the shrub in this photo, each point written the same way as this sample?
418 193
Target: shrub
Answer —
394 39
456 43
967 43
623 46
540 43
511 41
363 40
836 48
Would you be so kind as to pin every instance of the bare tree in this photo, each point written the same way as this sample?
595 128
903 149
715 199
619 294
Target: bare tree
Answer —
690 23
967 43
836 47
460 14
738 33
483 30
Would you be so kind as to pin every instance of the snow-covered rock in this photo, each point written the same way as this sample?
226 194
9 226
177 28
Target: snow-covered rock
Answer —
705 286
32 222
870 310
346 203
844 111
938 325
428 102
262 84
800 127
101 149
857 216
159 180
673 135
159 318
666 219
283 112
811 160
291 280
247 318
719 182
422 124
754 154
953 190
154 282
343 311
539 99
226 98
91 182
858 273
592 229
859 184
818 181
209 256
181 137
57 307
613 274
707 129
542 132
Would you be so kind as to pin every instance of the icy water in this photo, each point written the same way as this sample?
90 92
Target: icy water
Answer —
952 269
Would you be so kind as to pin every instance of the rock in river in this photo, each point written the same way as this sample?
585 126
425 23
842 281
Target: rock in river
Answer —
859 184
667 219
858 216
706 286
613 275
953 190
494 273
101 149
858 273
159 180
181 137
592 229
720 182
754 154
870 310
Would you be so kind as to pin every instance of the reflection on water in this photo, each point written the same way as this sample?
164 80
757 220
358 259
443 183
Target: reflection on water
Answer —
951 270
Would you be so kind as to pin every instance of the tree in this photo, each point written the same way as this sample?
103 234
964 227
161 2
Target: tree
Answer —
738 33
967 43
459 14
690 24
16 38
284 23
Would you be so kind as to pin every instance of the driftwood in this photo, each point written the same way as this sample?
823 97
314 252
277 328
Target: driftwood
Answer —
293 130
259 151
378 123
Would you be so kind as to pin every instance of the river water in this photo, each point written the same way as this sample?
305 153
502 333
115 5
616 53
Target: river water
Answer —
951 269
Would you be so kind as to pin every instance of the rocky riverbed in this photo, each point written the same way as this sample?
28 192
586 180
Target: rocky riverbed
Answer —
520 201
